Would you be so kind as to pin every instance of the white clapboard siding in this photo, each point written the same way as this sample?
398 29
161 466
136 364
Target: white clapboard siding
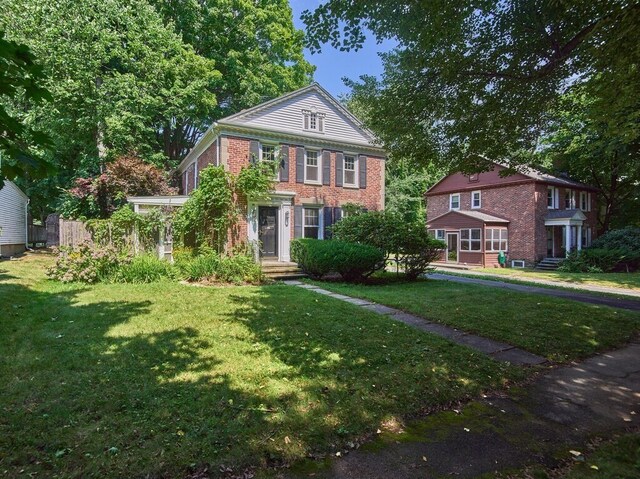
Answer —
286 116
13 221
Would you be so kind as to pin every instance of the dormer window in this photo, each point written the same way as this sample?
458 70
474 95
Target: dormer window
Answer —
313 121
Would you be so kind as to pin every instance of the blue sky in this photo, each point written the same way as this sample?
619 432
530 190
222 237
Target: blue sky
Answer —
332 64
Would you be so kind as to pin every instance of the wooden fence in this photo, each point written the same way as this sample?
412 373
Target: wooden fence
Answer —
36 234
73 233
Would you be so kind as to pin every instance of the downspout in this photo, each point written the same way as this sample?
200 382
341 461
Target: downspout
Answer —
26 225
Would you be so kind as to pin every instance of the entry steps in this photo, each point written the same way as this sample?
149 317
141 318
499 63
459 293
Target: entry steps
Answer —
549 264
281 270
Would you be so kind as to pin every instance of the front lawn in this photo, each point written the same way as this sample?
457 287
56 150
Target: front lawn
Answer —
558 329
630 281
161 380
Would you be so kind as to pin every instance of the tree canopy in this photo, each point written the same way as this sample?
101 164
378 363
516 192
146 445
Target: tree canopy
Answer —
148 76
20 78
478 79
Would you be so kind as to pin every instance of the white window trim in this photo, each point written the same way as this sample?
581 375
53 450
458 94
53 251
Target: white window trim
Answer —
588 201
479 199
356 176
554 198
451 208
479 240
320 226
320 119
572 200
319 160
486 238
276 152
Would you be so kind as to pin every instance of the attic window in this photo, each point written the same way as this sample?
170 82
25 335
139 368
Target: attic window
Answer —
313 121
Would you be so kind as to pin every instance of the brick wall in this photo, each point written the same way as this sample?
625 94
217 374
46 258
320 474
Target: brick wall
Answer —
370 197
525 206
514 203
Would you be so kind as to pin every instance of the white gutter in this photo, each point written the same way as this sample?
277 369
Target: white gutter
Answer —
26 225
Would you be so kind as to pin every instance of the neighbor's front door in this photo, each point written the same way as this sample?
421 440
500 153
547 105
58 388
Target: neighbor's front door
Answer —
268 231
452 247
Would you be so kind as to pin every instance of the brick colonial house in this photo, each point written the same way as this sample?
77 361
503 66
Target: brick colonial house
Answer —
326 159
529 216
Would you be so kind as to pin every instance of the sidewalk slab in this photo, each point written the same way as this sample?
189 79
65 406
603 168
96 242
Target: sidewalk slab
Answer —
562 410
495 349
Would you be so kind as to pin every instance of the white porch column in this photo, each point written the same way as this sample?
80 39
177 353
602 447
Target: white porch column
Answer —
579 239
567 239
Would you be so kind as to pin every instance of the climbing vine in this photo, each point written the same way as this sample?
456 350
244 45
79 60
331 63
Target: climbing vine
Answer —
126 229
212 212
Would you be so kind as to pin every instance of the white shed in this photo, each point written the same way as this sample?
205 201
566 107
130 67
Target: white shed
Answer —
13 219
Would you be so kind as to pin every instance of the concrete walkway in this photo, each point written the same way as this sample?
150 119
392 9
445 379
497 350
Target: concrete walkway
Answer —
495 349
629 304
559 412
546 282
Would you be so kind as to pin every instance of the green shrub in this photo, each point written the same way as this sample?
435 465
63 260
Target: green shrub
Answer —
626 239
314 260
410 243
87 264
197 267
599 260
237 268
417 249
147 268
352 261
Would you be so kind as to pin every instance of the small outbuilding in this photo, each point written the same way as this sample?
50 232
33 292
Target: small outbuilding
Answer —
13 219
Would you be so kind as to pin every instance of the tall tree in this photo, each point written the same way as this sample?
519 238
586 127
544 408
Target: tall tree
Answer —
117 75
593 151
473 79
253 43
20 78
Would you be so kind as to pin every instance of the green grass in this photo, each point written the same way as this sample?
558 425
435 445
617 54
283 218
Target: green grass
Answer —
629 281
558 329
156 380
616 459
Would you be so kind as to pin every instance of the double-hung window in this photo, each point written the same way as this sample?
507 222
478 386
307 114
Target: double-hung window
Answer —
440 234
350 164
496 239
454 201
569 200
476 199
311 222
270 153
312 167
585 201
552 197
470 239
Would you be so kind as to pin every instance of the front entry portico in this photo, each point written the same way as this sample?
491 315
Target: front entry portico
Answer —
269 223
564 232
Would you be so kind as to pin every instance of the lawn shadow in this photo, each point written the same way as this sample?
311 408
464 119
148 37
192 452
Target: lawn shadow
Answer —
362 371
84 395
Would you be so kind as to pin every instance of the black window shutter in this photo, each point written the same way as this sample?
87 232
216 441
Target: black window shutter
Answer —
254 152
328 221
297 221
284 163
337 214
326 167
362 162
339 168
299 164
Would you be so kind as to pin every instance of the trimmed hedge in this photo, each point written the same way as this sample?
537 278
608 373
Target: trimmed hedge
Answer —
616 250
352 261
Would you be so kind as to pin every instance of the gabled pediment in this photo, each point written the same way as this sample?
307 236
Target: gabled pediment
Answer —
286 115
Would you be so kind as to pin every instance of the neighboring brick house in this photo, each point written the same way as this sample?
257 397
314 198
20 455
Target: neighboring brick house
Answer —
326 159
529 216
